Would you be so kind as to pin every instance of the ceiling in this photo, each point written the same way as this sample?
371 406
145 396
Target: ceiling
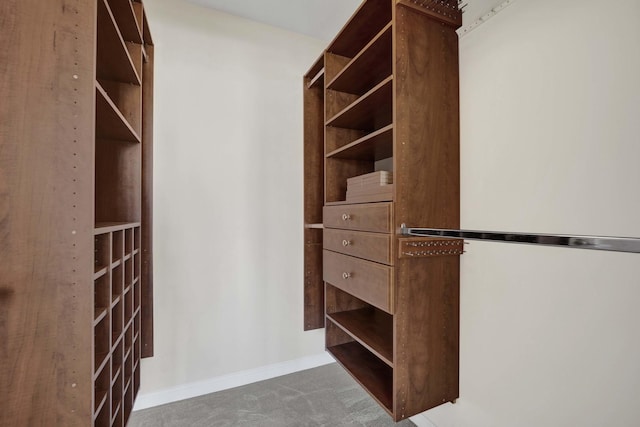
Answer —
316 18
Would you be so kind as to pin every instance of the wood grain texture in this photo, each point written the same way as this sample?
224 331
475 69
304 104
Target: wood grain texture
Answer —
336 173
338 300
427 334
370 327
370 246
374 217
333 65
369 281
336 138
313 166
363 25
46 212
427 122
146 274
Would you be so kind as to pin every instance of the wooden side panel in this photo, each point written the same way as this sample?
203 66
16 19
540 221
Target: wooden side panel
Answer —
46 211
427 362
427 118
147 202
313 200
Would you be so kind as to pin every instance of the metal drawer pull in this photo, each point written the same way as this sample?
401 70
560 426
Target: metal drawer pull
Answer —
346 243
345 276
346 217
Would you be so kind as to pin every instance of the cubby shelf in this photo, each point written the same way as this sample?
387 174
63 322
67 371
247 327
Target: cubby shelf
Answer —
375 146
370 17
374 375
371 111
113 61
114 239
370 327
368 68
125 17
110 123
317 80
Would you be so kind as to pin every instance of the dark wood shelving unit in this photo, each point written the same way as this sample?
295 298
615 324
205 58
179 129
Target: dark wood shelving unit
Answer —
389 103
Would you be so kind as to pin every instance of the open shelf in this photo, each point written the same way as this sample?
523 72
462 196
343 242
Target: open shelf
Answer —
110 122
370 327
113 61
375 146
370 112
317 80
125 17
366 22
369 371
372 65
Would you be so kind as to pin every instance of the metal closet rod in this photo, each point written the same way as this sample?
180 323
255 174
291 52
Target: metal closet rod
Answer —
600 243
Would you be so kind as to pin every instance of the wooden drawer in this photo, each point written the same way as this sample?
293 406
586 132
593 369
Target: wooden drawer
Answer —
369 281
363 217
372 246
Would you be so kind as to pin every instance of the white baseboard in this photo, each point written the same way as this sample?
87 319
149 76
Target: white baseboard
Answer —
421 420
237 379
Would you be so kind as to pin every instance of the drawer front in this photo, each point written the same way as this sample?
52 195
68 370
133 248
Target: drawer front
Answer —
374 217
372 246
369 281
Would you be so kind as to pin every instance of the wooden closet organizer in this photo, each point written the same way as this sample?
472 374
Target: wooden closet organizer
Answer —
75 210
384 96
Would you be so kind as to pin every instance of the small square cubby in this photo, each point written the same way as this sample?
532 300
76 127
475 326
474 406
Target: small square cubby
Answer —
128 241
128 305
101 252
117 246
101 342
101 390
128 272
101 296
117 282
116 321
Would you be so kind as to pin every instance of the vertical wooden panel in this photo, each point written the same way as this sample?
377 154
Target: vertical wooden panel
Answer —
46 211
427 120
147 200
313 200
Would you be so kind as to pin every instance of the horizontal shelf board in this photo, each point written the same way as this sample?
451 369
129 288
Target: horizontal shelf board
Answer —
110 123
127 352
371 328
371 111
317 80
100 313
314 226
117 341
116 263
103 358
365 23
127 257
101 398
100 271
115 376
126 20
109 227
368 68
115 300
369 371
375 146
135 251
126 386
317 66
345 202
115 413
113 61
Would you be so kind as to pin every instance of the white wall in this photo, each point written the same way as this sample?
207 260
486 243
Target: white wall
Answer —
550 105
228 195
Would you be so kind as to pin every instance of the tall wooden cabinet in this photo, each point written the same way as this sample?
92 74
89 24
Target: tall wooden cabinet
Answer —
75 210
384 97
